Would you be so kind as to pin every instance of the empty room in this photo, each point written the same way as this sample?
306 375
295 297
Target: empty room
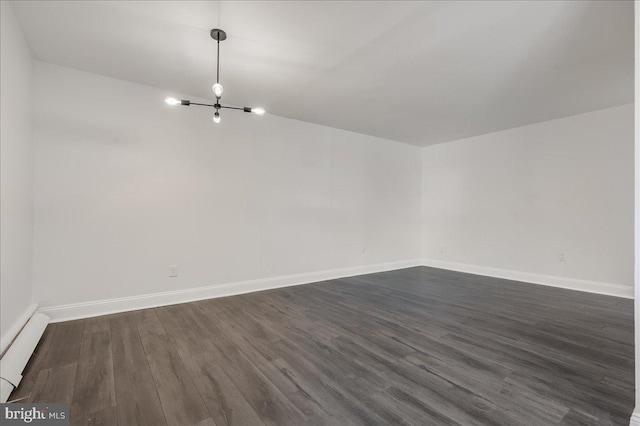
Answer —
319 213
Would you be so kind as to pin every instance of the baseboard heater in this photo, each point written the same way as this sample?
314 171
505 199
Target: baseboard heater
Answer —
17 355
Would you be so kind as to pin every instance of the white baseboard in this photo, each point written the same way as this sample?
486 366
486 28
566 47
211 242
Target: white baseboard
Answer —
548 280
123 304
635 417
13 331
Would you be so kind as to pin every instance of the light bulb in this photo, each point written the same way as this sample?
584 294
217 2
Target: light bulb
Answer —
172 101
216 117
217 89
258 111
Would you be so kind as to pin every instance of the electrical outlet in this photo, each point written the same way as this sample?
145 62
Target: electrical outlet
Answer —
442 250
561 257
364 249
173 271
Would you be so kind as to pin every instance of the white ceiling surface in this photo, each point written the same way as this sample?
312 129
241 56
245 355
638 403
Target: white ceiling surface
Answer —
416 72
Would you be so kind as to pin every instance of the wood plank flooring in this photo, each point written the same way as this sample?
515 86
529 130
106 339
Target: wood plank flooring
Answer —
418 346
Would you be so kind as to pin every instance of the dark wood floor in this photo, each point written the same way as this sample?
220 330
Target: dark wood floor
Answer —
417 346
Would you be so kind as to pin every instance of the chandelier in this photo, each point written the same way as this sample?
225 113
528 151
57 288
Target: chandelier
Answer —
218 35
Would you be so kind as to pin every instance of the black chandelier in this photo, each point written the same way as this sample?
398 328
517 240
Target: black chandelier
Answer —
217 88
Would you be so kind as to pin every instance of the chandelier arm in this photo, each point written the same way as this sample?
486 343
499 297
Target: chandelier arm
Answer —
207 105
231 107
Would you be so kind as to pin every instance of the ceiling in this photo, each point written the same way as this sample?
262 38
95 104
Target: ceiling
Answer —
415 72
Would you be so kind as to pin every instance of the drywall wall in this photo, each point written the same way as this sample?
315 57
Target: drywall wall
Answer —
126 185
635 418
552 199
16 175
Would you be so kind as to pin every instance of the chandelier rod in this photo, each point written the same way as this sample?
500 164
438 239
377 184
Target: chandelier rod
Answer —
218 63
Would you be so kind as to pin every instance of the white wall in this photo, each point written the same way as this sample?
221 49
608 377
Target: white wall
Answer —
635 419
514 200
16 174
126 186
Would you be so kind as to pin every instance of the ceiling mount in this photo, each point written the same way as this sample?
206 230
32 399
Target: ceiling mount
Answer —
218 35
